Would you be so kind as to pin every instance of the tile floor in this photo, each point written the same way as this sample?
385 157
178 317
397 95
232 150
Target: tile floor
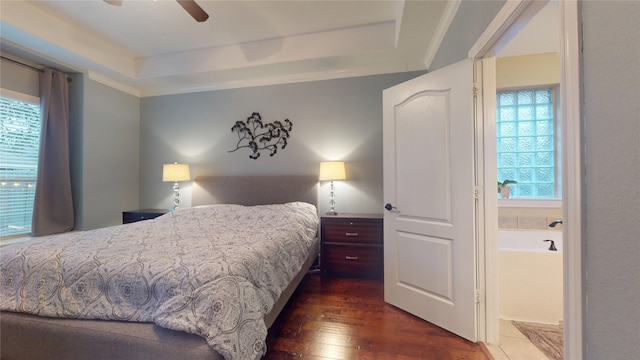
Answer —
514 345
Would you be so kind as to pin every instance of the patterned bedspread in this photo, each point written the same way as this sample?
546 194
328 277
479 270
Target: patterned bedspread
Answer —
214 271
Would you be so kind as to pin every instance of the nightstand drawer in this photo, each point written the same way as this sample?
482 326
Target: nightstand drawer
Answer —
352 260
139 215
352 231
352 245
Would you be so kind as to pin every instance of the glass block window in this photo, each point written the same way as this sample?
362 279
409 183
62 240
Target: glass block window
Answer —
526 142
19 146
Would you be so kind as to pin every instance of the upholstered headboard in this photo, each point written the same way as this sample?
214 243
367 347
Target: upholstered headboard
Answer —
255 190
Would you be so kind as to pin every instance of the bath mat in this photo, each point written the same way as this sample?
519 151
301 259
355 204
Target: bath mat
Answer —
547 338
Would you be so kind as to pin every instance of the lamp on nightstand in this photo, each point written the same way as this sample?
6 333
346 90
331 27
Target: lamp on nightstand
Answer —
175 172
332 170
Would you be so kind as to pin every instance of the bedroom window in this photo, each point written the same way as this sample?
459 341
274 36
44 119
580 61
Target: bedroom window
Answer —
19 146
528 142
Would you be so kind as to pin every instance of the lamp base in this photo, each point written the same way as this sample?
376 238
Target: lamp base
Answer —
332 212
176 195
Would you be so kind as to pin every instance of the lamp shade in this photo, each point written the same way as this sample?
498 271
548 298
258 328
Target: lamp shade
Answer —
332 170
175 172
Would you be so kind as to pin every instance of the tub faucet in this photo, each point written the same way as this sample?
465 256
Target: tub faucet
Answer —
552 247
555 222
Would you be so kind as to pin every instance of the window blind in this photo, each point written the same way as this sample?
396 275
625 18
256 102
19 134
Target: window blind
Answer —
19 145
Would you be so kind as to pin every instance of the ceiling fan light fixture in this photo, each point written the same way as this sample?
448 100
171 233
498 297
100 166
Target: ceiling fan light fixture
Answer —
194 10
189 5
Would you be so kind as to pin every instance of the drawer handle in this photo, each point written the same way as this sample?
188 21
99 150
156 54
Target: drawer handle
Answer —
351 257
351 234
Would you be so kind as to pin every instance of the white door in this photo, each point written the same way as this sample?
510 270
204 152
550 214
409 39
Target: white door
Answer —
429 235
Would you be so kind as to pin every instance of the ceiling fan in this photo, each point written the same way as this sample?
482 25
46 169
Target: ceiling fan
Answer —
189 5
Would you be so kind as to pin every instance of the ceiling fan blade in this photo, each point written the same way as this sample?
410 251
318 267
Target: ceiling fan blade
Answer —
114 2
194 10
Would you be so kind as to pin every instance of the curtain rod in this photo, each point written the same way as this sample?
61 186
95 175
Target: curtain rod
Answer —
21 63
29 66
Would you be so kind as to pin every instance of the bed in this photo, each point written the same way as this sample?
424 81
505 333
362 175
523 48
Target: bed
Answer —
198 313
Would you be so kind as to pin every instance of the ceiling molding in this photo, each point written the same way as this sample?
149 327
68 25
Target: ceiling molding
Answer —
443 26
105 80
362 39
144 60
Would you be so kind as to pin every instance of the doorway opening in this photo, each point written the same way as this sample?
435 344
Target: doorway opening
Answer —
513 17
530 282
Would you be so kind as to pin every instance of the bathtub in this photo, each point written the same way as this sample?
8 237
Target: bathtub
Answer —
530 280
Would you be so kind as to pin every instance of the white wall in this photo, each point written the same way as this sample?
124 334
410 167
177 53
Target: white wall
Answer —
528 70
611 108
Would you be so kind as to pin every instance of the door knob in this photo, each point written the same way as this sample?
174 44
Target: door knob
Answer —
389 207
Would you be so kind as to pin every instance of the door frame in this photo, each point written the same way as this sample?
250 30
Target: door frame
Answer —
503 27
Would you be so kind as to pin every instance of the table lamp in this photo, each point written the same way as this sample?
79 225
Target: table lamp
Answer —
332 170
175 172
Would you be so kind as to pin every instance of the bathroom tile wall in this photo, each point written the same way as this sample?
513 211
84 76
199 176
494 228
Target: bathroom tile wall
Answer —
528 218
527 223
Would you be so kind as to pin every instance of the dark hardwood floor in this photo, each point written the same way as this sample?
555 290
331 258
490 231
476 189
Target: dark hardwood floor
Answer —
330 318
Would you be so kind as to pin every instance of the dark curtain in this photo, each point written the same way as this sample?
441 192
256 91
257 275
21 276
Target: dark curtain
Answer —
53 206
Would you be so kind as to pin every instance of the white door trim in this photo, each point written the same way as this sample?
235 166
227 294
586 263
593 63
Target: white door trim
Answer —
487 217
572 174
494 37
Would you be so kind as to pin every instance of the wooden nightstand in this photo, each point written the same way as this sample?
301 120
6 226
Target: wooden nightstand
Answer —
352 245
139 215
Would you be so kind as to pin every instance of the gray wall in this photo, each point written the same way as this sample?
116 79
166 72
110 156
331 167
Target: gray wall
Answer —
104 146
105 138
76 114
611 63
19 78
332 120
470 21
342 119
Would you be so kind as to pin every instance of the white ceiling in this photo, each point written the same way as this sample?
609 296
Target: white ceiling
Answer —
150 47
540 35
